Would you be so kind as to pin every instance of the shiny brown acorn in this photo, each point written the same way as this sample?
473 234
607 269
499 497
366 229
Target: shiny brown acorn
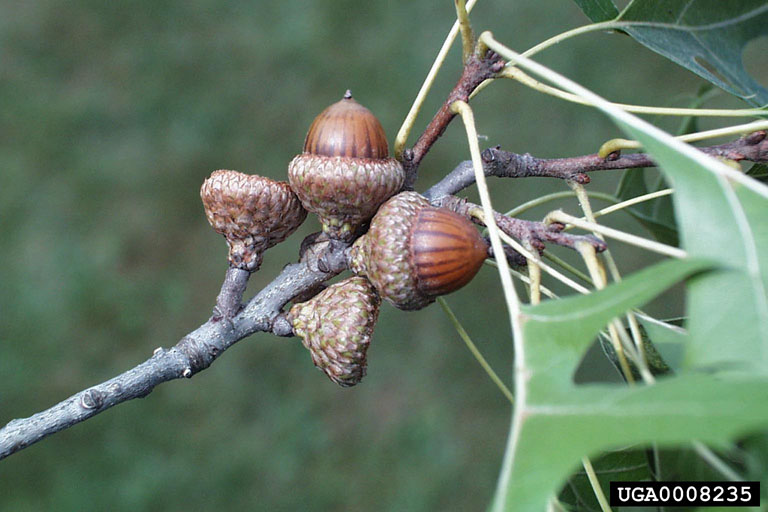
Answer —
345 172
253 213
414 252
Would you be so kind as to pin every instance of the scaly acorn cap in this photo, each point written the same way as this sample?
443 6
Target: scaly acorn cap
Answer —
253 213
414 252
336 326
345 173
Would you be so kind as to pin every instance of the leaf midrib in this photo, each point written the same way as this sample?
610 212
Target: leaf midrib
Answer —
618 23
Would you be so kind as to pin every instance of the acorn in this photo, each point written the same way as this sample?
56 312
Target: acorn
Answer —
414 252
253 213
345 172
336 326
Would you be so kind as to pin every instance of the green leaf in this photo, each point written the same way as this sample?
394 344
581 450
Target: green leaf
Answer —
721 389
759 172
571 324
756 450
656 216
625 465
721 214
598 10
684 464
705 36
556 430
668 341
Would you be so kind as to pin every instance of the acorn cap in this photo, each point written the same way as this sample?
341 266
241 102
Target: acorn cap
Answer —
336 326
253 213
345 173
414 252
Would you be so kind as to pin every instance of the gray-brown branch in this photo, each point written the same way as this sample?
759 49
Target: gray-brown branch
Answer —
194 353
504 164
476 71
536 234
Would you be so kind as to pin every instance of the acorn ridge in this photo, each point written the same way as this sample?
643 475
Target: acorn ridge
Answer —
414 252
446 251
347 129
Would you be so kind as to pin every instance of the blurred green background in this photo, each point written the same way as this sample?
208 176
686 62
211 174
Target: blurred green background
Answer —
111 116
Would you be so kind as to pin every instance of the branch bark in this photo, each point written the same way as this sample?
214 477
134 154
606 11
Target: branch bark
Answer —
504 164
476 71
537 234
195 352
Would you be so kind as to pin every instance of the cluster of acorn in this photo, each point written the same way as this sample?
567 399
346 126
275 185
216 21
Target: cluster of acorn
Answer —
411 253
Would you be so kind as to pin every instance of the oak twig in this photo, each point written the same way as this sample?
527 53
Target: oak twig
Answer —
195 352
229 300
537 234
476 71
504 164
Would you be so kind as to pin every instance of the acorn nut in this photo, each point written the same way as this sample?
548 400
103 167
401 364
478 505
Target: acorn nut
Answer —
345 173
414 252
253 213
336 326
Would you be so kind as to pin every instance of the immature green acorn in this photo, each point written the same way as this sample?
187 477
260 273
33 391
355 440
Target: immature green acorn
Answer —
414 252
253 213
345 173
336 326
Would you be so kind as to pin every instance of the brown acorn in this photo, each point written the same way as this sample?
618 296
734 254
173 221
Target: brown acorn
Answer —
414 252
345 173
253 213
336 326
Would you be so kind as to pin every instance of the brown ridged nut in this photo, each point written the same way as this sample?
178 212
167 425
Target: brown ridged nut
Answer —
336 326
252 212
345 173
414 252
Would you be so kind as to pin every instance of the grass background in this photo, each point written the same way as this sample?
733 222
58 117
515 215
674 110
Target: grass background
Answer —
111 116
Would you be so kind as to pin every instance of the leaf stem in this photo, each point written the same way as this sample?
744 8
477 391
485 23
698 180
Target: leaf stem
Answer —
531 256
525 279
467 39
638 353
515 212
534 273
650 245
410 118
635 200
475 351
463 109
598 277
524 78
713 460
559 38
595 483
567 266
614 145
